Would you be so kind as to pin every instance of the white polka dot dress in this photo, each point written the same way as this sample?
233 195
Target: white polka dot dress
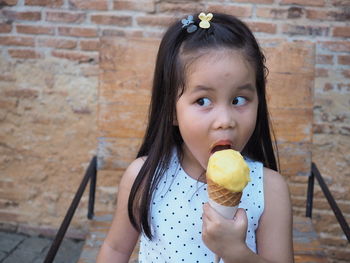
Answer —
176 216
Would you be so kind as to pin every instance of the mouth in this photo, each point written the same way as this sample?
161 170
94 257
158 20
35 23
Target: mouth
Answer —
219 146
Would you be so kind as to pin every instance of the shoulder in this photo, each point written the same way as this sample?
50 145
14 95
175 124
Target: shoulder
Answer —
275 183
132 171
136 165
274 234
276 195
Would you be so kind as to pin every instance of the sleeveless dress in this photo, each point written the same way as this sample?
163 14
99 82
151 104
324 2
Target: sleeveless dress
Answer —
176 216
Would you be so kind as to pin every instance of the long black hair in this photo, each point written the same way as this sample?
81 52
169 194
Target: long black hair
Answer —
162 136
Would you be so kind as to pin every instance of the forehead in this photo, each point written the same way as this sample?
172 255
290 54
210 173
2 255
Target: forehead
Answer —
218 65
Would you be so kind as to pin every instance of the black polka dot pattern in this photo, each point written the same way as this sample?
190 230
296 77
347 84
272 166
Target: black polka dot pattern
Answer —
176 214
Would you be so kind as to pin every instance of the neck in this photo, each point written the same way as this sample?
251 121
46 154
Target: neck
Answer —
191 166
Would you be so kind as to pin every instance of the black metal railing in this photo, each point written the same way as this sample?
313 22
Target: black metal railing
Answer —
310 192
90 174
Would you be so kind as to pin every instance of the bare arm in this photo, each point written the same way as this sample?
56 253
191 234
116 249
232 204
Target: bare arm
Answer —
274 235
122 236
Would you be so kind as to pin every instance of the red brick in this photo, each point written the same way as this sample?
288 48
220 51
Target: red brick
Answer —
298 179
279 13
131 127
145 6
5 28
298 201
114 32
268 12
120 20
328 15
25 15
22 93
323 129
77 31
90 70
47 3
57 43
262 27
337 46
295 12
344 59
9 216
123 33
299 163
305 30
16 41
324 59
24 53
155 20
7 77
36 30
255 1
240 11
82 57
341 31
333 241
90 45
321 72
89 4
5 204
343 87
327 87
346 73
65 17
9 2
311 256
298 189
303 2
345 3
183 8
338 254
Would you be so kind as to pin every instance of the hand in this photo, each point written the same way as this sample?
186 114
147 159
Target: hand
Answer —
225 237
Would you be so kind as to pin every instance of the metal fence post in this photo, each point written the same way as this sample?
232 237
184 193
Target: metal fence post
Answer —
310 193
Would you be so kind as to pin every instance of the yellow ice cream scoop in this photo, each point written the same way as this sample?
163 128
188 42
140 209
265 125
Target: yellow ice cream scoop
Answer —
228 169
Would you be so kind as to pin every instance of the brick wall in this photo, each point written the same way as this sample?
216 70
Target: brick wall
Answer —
49 64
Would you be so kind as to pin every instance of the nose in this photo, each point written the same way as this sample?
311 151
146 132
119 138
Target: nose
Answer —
224 118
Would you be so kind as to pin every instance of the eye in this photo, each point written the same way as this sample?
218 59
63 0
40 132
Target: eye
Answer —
203 102
239 101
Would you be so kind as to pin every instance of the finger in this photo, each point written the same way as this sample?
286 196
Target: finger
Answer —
241 218
211 213
207 211
205 218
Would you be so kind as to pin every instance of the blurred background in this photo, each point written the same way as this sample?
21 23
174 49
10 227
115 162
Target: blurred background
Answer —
74 83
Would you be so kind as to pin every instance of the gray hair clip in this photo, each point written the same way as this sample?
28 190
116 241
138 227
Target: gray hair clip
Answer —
188 24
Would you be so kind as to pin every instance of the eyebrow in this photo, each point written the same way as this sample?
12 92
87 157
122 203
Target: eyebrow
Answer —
247 86
202 88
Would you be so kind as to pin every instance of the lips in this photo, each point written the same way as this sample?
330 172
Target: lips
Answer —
221 145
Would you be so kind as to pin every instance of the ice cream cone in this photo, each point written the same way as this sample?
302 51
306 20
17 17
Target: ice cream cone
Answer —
227 175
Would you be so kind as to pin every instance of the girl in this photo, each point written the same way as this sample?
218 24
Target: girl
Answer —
208 94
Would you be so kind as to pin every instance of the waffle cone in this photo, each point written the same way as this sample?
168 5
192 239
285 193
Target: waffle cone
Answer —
221 195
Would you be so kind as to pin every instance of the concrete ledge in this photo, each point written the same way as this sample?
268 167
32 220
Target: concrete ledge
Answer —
307 247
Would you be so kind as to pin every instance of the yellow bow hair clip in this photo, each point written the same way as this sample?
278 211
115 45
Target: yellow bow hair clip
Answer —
205 20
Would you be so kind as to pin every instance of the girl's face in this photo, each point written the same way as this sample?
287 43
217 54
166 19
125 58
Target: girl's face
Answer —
218 108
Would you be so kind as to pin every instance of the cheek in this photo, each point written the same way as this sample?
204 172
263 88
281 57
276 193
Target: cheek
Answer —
249 123
189 127
192 129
